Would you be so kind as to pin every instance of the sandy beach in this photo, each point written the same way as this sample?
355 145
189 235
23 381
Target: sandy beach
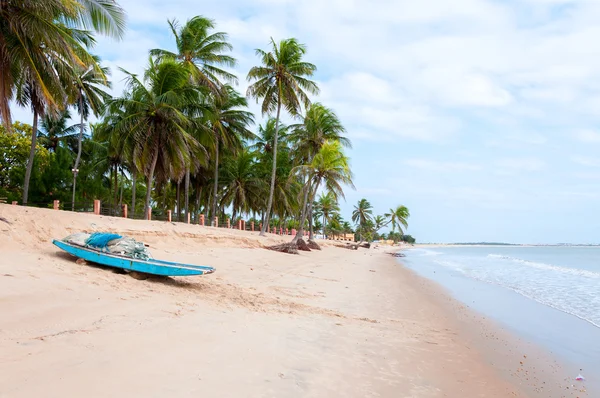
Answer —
330 323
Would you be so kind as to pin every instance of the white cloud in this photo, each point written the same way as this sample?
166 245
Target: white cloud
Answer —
438 166
586 161
521 164
588 136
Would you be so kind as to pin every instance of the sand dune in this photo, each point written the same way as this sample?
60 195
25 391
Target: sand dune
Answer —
330 323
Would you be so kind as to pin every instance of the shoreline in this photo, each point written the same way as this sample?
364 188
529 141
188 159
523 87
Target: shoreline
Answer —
265 324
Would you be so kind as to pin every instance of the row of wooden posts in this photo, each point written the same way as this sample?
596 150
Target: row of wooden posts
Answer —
241 223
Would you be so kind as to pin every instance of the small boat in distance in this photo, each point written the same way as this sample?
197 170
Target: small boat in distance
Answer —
130 264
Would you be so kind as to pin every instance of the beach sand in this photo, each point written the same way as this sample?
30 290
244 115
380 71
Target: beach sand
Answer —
330 323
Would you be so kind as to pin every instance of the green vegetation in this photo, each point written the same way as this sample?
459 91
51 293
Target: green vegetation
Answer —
180 136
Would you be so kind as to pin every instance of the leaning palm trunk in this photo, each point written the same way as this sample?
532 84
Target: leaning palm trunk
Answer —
76 167
150 180
31 157
274 172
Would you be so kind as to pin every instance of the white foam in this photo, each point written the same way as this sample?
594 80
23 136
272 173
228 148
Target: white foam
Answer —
550 267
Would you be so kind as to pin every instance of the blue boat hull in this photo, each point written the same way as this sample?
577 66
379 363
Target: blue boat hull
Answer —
152 266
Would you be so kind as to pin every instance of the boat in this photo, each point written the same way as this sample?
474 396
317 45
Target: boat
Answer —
149 266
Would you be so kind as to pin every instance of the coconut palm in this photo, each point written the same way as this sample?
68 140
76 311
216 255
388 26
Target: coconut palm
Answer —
326 206
37 37
201 51
363 214
398 218
281 80
56 129
228 123
89 98
242 186
329 166
158 110
319 125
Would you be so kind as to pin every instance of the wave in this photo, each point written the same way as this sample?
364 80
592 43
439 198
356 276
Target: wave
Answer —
554 302
424 252
549 267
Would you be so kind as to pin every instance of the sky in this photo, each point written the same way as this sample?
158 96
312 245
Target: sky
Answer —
480 116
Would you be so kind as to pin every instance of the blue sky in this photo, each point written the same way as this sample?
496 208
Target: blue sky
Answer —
481 116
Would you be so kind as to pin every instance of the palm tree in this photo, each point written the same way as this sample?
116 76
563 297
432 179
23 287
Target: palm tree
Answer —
329 166
281 80
228 123
243 186
398 218
201 51
37 35
319 125
326 206
54 130
362 214
38 42
89 97
157 114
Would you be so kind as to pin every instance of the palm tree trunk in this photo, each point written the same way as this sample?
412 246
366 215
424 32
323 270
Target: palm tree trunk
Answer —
178 195
122 185
216 183
133 182
310 222
274 172
116 190
31 157
187 193
79 139
300 232
150 180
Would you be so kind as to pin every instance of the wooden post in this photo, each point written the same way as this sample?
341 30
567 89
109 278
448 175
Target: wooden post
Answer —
274 230
169 215
228 222
287 231
280 230
240 225
293 231
217 221
260 226
188 217
124 208
243 225
149 215
202 219
56 204
252 226
15 203
96 207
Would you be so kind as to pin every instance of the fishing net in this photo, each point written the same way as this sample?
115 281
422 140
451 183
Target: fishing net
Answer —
111 243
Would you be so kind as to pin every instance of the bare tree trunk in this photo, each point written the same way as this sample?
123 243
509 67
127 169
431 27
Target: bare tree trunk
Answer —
79 139
274 172
31 157
133 187
150 180
216 183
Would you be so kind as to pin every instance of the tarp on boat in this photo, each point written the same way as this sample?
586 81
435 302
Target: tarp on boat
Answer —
111 243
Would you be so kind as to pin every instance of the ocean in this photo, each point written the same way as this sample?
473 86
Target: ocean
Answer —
549 295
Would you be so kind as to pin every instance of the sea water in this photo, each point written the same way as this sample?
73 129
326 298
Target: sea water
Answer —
550 295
